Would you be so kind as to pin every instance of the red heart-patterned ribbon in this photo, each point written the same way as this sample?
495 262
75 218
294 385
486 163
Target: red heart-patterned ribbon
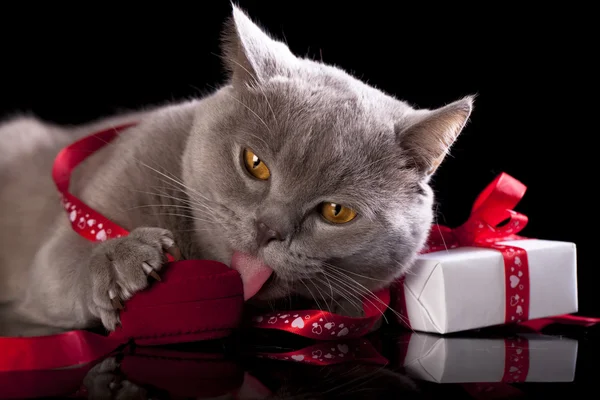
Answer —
482 229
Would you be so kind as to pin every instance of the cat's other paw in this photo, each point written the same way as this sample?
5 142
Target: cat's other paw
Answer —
120 267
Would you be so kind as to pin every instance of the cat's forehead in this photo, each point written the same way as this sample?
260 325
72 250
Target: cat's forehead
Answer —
322 102
327 134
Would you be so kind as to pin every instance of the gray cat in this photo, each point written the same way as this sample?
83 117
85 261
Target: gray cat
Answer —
293 170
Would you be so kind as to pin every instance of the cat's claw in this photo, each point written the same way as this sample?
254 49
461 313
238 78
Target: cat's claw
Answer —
121 267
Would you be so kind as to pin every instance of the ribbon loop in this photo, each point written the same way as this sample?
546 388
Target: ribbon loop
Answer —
502 194
493 206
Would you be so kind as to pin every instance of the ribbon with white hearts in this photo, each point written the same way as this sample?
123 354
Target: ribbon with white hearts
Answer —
483 229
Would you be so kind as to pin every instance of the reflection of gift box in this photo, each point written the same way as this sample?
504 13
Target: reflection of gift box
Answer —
524 358
481 274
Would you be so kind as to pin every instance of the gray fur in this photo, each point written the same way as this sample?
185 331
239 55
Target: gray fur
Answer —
324 135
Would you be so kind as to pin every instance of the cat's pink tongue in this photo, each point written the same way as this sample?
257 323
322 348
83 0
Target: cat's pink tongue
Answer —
253 271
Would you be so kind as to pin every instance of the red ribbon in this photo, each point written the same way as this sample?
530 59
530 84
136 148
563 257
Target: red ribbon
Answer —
493 206
180 374
328 353
482 229
86 221
323 325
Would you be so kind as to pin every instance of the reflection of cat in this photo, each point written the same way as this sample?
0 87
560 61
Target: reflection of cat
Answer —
284 381
294 165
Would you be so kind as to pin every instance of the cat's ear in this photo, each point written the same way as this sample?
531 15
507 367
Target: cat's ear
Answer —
429 134
250 54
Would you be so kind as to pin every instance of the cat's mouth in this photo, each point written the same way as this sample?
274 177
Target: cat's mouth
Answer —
254 272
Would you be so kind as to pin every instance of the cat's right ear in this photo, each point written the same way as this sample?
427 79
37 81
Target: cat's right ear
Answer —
427 136
250 54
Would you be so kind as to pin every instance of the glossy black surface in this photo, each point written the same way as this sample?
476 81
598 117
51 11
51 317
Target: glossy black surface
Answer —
533 119
563 360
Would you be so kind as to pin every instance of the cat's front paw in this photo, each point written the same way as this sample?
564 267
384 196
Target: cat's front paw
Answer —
120 267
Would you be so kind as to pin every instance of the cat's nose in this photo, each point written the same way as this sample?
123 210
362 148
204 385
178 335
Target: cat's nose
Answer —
264 234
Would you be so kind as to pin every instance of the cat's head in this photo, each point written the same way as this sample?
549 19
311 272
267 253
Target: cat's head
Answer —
318 174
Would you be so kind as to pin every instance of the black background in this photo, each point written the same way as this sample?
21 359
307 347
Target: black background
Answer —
532 69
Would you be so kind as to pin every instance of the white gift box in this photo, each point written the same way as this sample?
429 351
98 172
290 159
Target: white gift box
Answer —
464 288
528 358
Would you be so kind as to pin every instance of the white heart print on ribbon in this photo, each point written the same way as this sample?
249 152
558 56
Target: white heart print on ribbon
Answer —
343 332
517 261
317 329
343 348
514 281
101 235
298 357
519 310
298 323
514 300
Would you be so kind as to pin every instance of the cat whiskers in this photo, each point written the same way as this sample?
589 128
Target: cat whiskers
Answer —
354 273
339 290
357 292
312 294
341 275
332 296
186 189
192 200
186 203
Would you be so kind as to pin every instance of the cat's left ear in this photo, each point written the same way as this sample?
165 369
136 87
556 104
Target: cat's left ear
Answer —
428 134
250 54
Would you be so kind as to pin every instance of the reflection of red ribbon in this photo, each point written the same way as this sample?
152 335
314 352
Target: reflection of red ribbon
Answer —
179 374
331 352
516 360
482 229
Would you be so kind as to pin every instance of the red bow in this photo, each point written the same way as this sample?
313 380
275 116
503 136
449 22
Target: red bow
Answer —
494 205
